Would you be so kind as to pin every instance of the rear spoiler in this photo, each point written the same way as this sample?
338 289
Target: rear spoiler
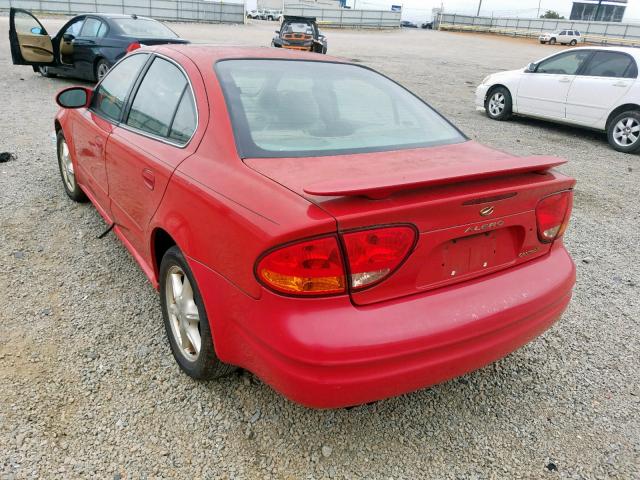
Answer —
381 187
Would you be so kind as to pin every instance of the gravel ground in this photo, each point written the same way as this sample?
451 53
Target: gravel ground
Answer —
88 387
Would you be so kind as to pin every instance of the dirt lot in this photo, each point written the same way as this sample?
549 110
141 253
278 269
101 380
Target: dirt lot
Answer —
88 388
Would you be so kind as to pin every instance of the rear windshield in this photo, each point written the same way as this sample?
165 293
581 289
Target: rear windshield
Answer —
298 28
143 27
283 108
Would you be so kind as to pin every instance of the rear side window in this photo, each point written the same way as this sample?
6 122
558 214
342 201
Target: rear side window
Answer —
159 102
564 64
611 64
184 122
110 95
90 27
102 31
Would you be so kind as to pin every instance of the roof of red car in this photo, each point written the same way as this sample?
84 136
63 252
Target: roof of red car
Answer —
212 53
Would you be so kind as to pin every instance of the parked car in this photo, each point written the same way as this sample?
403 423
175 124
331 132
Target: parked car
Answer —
564 37
427 25
408 24
254 14
593 87
86 47
271 15
314 222
300 33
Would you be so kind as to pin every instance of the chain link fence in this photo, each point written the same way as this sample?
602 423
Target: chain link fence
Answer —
347 18
605 33
183 10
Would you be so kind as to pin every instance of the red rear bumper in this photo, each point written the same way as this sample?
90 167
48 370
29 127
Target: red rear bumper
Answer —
327 353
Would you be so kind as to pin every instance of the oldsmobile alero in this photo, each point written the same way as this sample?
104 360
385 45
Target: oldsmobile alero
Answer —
314 222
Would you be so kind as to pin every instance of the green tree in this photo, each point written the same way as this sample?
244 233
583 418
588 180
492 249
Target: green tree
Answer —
552 14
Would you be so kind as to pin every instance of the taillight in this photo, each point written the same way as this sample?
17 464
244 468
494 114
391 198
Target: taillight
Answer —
312 267
374 254
552 215
133 46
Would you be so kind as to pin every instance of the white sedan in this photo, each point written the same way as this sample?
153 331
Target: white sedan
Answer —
593 87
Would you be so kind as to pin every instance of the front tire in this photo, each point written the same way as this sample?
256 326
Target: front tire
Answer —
498 104
67 170
185 320
573 43
45 71
552 41
623 132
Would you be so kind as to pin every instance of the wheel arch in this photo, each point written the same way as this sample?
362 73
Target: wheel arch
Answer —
161 241
618 110
493 87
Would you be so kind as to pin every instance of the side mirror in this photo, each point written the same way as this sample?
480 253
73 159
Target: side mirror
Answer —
38 31
74 97
531 68
277 31
67 37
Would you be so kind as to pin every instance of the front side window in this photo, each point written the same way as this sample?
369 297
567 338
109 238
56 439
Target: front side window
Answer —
108 100
155 106
90 27
611 64
74 28
564 64
283 108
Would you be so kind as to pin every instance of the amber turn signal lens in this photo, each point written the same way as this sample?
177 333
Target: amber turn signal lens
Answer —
308 268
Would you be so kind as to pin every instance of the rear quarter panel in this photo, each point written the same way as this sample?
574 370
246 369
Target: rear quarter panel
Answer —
223 214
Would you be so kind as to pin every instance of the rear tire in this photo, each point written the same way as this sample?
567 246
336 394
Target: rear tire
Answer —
498 104
185 320
552 41
100 70
623 132
67 170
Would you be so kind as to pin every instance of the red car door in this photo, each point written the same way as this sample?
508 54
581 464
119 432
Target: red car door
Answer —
147 147
92 128
90 133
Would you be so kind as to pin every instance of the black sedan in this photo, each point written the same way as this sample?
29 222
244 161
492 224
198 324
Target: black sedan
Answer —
86 46
408 24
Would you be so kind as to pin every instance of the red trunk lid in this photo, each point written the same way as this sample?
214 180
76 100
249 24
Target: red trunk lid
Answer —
474 207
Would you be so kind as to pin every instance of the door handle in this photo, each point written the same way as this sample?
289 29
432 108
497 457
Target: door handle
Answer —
149 179
565 80
620 84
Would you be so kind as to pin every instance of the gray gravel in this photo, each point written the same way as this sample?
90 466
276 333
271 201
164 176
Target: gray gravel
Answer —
88 387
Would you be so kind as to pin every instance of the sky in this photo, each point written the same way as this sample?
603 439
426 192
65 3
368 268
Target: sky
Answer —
420 10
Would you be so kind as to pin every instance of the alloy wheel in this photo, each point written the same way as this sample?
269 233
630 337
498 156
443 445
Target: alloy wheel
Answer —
184 316
68 174
626 132
103 68
496 104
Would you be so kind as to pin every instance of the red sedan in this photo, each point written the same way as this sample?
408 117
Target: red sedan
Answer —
314 222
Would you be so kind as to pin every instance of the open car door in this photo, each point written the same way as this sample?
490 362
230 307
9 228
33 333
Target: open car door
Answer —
30 42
